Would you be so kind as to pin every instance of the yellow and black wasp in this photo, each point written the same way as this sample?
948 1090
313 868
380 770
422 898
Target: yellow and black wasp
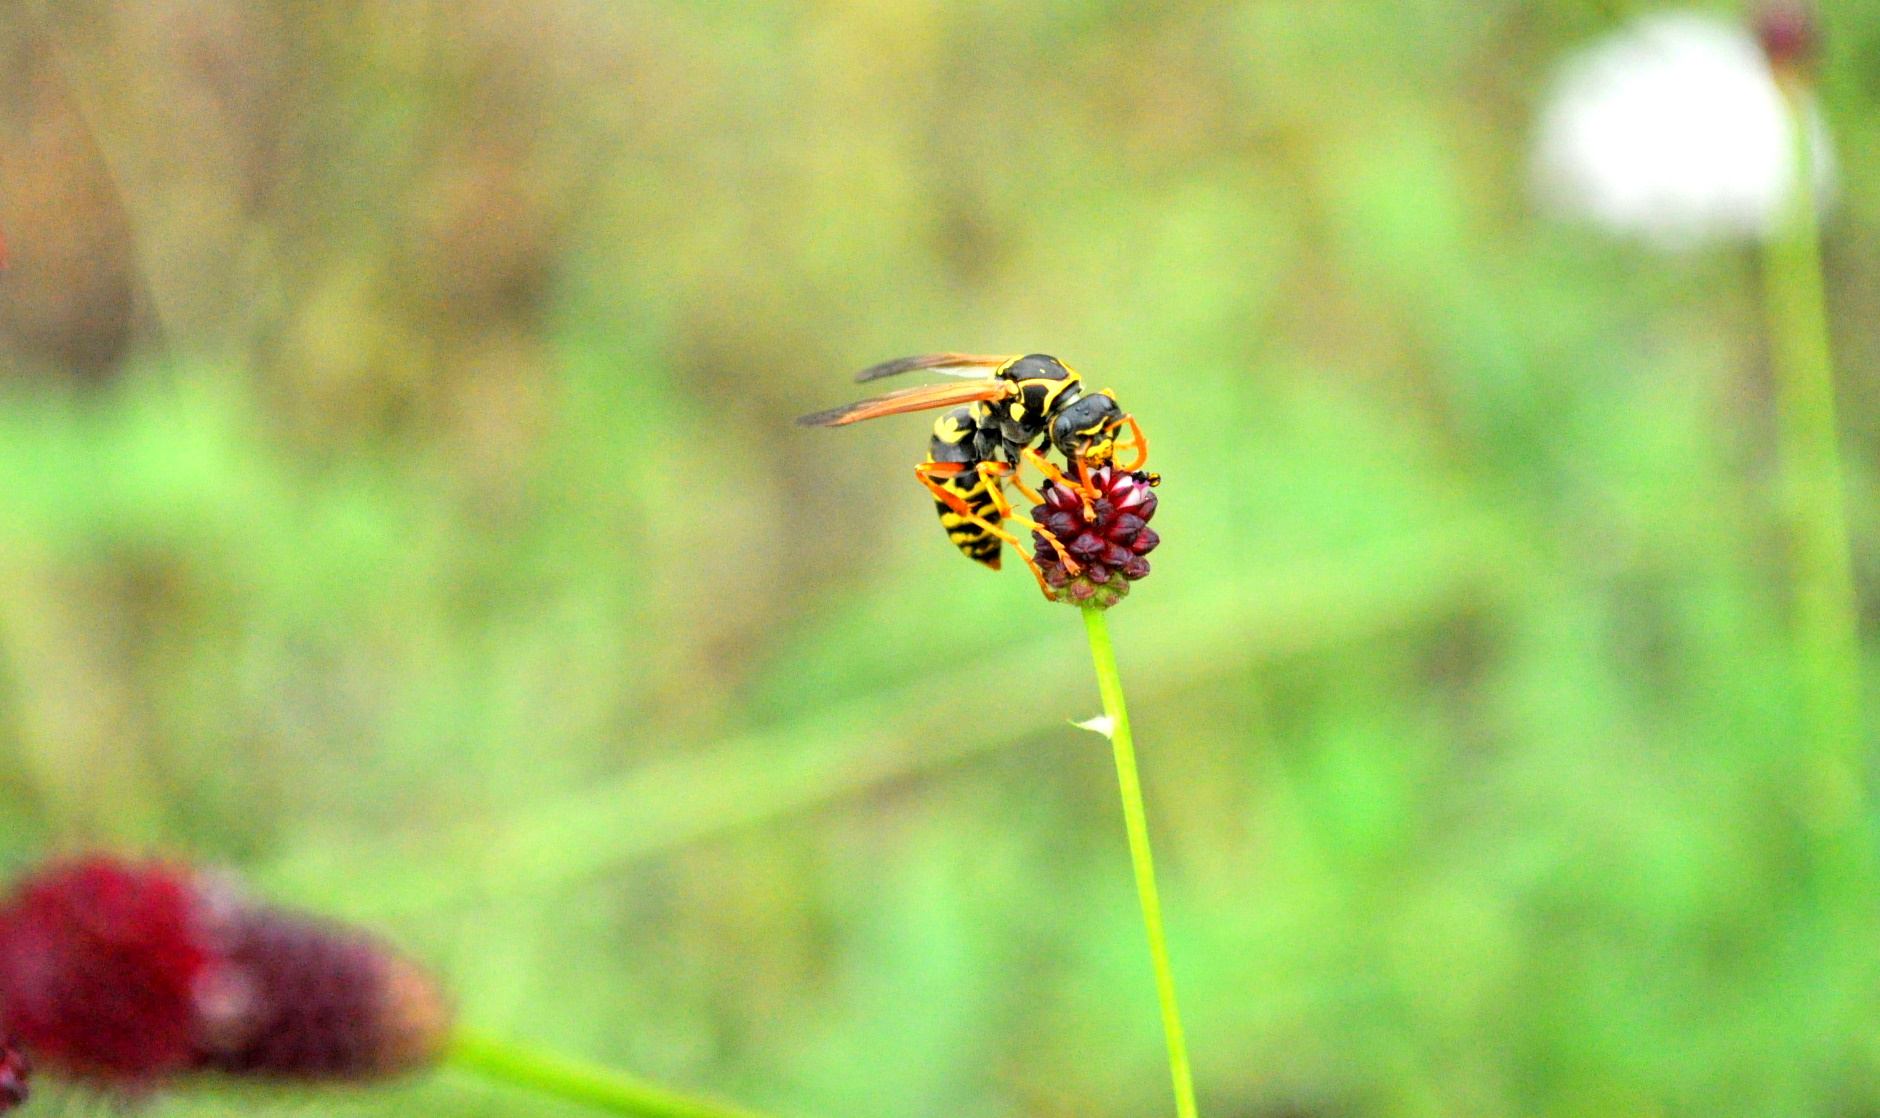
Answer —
997 421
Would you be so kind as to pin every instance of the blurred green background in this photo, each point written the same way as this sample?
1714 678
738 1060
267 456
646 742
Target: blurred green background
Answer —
399 502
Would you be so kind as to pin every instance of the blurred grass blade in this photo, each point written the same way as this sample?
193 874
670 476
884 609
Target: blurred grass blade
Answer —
890 736
577 1082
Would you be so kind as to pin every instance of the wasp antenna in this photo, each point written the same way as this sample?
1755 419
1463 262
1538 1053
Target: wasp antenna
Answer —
952 364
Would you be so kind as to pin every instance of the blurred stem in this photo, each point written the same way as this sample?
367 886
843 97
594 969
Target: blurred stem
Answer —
84 99
1826 610
1111 685
576 1082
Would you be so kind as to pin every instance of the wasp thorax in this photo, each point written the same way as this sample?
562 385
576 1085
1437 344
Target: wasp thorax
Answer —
1037 366
1041 384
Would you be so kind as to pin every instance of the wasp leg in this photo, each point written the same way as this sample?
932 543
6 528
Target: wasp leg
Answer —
925 472
1083 489
1031 494
1138 442
1044 466
1001 472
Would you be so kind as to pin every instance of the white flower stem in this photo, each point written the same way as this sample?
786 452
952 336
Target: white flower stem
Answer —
1826 609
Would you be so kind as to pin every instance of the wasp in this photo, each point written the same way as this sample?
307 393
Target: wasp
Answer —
1010 411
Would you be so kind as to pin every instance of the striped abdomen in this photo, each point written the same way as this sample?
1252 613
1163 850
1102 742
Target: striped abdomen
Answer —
953 441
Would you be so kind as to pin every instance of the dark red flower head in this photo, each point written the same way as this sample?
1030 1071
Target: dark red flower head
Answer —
1105 532
126 973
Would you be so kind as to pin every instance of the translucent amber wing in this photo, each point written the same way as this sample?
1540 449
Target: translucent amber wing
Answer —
923 398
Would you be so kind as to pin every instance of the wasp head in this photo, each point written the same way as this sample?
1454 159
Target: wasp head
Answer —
1087 428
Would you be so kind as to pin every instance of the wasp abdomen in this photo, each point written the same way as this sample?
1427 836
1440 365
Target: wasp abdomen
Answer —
955 436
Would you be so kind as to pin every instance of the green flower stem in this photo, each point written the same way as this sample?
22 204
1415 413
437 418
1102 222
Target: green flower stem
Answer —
1826 609
573 1081
1111 685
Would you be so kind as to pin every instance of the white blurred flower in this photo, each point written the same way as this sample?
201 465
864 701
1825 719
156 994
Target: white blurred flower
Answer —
1101 724
1673 129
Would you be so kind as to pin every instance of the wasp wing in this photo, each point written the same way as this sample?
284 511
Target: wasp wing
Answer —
951 364
923 398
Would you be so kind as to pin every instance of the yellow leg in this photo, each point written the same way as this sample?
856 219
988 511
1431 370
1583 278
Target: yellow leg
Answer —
925 472
1137 441
1031 494
1044 466
1001 471
1083 489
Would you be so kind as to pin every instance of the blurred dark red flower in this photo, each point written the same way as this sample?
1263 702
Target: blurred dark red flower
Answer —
126 973
1788 33
1107 541
15 1071
100 964
319 1000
